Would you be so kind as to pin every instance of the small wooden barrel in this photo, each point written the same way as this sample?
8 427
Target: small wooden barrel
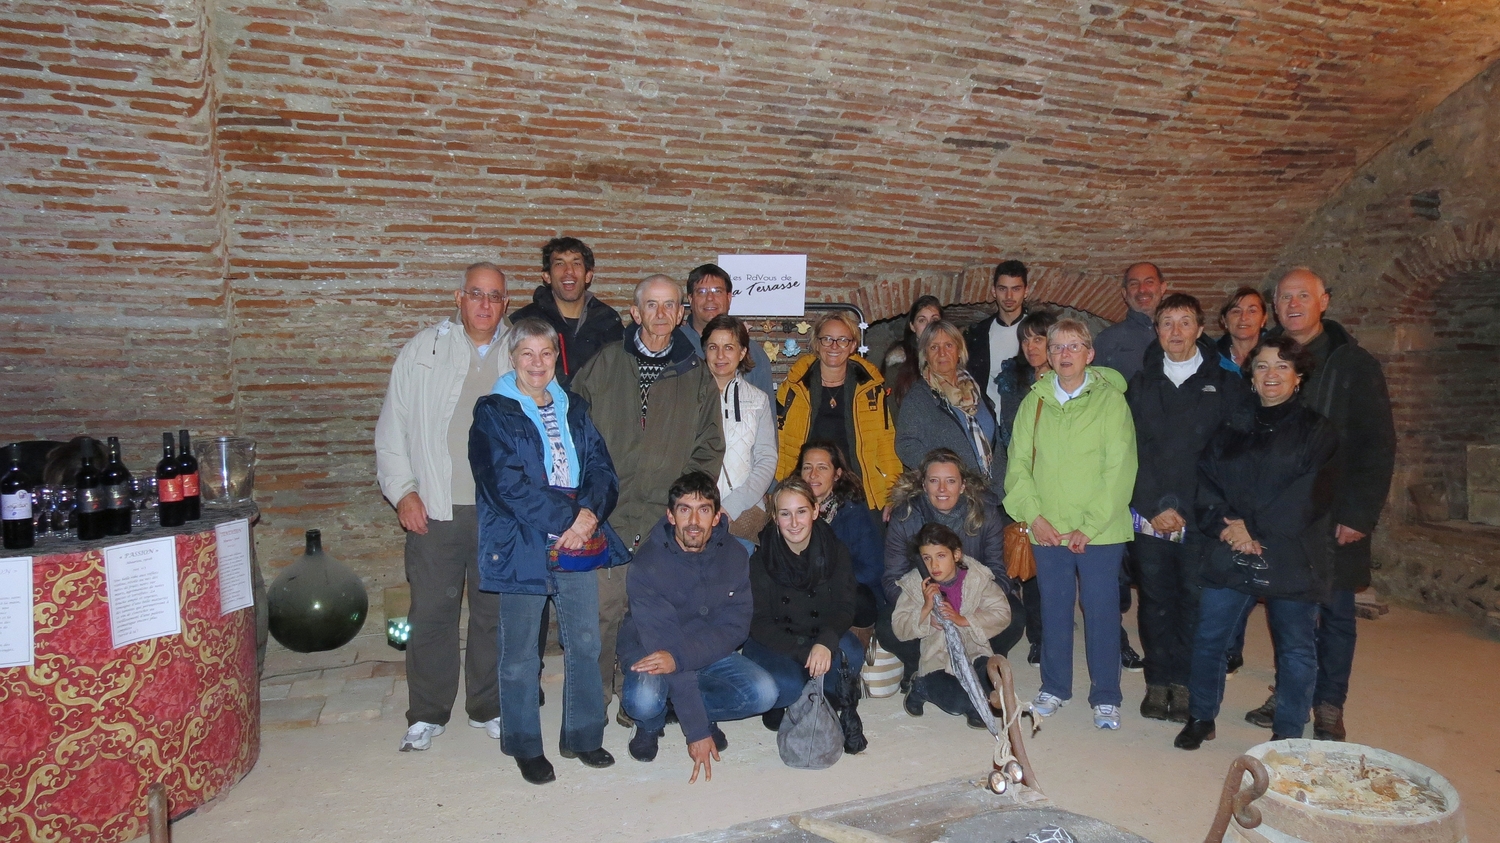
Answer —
1286 820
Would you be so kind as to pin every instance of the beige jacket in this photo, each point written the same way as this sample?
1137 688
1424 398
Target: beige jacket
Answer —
984 605
411 436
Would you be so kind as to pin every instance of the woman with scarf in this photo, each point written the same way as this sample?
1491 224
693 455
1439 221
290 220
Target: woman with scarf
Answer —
942 490
948 409
803 587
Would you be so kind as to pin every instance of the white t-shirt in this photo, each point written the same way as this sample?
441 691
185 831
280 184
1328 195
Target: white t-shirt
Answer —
1004 344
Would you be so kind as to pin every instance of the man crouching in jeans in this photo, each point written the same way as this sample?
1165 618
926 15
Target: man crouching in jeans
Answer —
690 608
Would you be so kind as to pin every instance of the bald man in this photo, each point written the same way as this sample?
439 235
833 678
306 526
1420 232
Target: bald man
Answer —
1348 387
657 407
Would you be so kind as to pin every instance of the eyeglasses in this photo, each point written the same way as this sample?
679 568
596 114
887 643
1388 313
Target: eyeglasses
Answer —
709 291
1071 348
835 342
477 296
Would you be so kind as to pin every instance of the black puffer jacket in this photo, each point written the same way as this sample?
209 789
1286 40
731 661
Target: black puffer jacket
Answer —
1273 467
599 327
1173 423
789 620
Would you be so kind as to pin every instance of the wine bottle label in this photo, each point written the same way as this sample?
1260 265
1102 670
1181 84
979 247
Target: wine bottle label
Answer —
117 496
90 500
16 507
190 485
169 491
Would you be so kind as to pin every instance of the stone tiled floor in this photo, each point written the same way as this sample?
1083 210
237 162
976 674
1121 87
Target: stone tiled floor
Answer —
362 680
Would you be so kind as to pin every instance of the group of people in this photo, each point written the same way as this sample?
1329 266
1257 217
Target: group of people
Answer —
710 546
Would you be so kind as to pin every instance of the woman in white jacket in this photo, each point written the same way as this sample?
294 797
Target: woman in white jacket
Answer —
749 420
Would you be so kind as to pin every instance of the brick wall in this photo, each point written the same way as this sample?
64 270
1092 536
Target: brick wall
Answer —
312 176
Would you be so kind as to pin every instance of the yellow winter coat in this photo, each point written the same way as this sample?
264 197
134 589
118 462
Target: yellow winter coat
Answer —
868 422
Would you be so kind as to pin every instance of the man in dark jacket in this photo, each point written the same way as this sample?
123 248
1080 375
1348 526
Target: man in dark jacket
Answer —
1348 388
992 341
657 407
690 609
1122 346
583 323
1178 399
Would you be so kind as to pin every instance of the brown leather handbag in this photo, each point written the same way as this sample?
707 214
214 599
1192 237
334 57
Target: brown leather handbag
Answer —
1020 561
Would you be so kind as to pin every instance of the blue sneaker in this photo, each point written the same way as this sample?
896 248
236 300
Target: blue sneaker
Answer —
1106 717
1046 705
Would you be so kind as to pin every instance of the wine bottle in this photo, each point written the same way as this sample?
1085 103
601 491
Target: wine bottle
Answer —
89 492
15 504
169 484
187 466
116 480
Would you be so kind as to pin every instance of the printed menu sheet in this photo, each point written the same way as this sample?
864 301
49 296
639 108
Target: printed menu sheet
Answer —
141 583
235 559
16 623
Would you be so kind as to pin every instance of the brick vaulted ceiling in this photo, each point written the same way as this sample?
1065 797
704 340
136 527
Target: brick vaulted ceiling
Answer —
890 141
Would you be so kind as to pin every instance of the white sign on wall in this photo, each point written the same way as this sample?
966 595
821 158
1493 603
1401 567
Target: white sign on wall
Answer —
767 285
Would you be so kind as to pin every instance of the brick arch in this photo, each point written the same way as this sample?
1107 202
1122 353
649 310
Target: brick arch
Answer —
1418 274
1080 289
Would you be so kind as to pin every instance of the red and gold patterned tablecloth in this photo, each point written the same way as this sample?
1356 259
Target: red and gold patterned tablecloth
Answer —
87 728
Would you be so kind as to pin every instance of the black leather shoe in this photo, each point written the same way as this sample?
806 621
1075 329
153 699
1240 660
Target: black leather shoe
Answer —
913 702
1236 662
536 770
721 741
974 721
1034 655
1265 715
1130 659
772 719
1154 706
1178 698
643 744
598 758
1194 734
1276 737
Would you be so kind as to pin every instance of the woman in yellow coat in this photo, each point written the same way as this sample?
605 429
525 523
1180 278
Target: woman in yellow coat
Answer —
837 395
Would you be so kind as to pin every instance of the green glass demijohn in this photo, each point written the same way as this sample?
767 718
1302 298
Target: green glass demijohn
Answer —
317 603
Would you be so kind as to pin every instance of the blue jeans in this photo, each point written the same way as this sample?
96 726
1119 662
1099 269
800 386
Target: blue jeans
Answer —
577 605
789 674
1091 579
1293 633
733 688
1335 648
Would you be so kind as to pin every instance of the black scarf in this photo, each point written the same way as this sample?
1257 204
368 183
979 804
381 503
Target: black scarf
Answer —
799 571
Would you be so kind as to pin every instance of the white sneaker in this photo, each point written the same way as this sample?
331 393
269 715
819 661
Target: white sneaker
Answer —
1046 705
419 736
491 727
1106 717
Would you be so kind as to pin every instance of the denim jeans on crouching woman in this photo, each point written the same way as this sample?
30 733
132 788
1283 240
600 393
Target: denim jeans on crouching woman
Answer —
789 674
1090 578
577 604
1294 628
733 688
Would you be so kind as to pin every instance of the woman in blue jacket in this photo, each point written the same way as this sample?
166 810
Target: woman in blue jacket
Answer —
544 484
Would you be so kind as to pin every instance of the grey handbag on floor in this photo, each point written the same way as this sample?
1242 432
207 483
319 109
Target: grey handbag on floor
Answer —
810 737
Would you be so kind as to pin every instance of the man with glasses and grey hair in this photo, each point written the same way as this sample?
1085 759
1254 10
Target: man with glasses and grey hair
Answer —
422 462
657 407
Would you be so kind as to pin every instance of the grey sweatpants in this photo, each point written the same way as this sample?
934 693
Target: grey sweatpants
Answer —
440 567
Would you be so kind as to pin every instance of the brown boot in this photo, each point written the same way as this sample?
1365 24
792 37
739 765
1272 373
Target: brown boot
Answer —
1177 703
1328 722
1155 705
864 634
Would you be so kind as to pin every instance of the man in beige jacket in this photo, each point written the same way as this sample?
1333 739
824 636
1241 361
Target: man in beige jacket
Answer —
422 460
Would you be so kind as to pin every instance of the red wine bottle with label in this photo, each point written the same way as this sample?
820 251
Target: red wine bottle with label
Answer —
88 491
187 466
169 484
15 503
116 481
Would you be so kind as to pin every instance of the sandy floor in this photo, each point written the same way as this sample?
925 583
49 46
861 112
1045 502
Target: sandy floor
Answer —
1425 687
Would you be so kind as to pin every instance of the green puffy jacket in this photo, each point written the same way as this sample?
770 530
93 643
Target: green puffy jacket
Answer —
1085 464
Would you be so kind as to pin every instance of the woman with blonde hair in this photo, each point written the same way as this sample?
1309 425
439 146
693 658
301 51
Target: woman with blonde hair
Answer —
948 409
836 395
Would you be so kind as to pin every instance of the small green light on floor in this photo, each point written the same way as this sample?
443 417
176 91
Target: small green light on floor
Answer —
397 632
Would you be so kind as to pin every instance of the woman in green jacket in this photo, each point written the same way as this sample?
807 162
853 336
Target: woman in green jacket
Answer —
1071 473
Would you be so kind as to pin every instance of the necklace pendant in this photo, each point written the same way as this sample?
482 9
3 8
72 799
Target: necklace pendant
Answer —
833 403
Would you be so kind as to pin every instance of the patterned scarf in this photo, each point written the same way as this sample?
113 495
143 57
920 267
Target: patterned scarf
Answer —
962 394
